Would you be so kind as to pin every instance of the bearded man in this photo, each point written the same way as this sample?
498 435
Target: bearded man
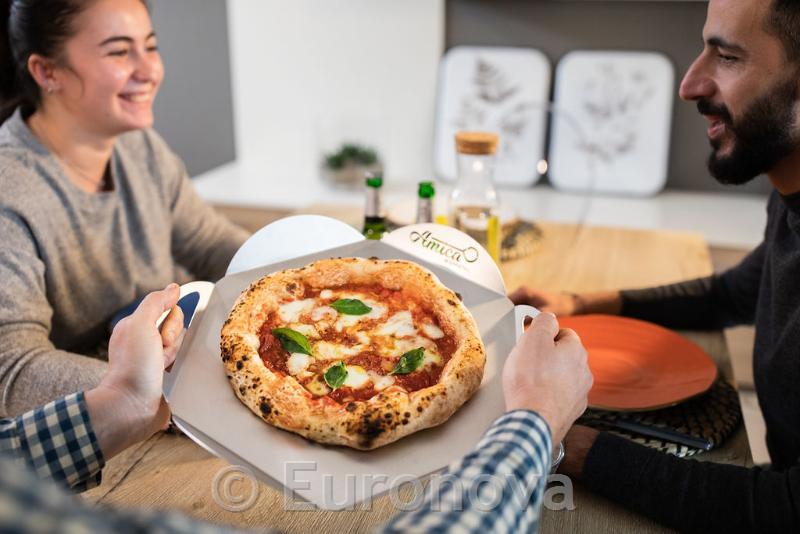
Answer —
745 83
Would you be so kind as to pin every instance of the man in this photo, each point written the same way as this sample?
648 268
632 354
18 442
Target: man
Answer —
545 381
746 84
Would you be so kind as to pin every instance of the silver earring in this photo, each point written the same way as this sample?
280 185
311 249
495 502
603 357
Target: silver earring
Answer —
49 89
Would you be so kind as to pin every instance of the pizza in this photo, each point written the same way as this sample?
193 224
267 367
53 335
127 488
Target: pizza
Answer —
352 351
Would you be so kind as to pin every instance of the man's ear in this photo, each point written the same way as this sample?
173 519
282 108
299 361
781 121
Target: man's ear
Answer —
43 71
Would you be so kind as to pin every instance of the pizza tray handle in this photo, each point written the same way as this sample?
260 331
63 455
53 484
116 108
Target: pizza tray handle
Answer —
522 312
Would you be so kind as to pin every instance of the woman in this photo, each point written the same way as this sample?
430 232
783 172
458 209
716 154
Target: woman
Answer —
95 210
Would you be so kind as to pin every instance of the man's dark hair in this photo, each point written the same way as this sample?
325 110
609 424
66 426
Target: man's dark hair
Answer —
783 21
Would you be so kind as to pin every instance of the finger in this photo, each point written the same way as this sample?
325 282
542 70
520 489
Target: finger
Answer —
544 325
519 295
172 351
172 326
567 335
156 303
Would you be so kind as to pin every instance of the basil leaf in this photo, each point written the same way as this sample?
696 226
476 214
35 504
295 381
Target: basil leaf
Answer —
409 362
336 375
292 340
351 307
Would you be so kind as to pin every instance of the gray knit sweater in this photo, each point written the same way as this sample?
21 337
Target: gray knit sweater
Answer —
69 260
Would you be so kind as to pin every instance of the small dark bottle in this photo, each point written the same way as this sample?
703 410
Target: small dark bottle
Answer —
374 225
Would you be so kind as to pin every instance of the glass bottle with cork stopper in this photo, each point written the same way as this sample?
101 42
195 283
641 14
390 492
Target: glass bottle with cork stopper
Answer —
474 206
374 225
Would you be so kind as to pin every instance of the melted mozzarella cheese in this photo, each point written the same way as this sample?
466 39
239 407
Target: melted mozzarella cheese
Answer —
401 346
291 311
323 311
432 331
346 321
380 382
362 337
305 329
357 377
298 362
325 350
326 294
401 324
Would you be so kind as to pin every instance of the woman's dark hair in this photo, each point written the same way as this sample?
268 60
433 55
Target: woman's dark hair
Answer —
30 27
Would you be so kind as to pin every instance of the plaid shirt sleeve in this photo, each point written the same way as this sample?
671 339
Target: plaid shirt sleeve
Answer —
57 442
498 487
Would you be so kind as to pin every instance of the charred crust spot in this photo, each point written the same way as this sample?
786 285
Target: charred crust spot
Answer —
387 415
374 258
419 409
291 286
265 408
405 421
239 364
451 302
244 358
351 407
371 428
458 295
241 390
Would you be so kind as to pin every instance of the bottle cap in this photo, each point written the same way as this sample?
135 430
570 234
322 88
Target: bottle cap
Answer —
426 190
476 143
374 180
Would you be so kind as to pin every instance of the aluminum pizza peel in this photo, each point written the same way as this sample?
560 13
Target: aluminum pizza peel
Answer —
312 475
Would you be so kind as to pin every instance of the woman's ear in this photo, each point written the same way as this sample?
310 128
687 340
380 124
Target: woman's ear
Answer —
42 70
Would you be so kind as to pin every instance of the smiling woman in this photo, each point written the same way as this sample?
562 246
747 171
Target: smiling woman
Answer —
95 209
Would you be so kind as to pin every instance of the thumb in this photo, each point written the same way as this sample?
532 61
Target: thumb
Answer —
156 303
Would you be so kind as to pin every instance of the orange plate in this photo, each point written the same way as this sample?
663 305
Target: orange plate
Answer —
639 365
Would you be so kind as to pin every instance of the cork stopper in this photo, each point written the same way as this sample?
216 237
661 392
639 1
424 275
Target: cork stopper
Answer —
476 143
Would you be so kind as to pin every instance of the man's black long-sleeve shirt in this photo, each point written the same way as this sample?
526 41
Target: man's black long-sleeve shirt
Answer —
701 496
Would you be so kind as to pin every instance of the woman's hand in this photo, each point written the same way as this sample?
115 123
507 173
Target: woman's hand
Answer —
128 406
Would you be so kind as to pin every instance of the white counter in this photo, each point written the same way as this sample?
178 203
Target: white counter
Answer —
725 219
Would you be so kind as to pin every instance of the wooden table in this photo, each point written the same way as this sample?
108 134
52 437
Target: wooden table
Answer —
170 472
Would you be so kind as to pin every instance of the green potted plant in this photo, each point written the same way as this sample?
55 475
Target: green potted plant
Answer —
349 165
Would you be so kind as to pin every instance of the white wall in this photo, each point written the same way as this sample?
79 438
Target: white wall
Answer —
308 73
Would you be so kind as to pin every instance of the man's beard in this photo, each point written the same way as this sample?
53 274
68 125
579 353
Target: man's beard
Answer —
762 137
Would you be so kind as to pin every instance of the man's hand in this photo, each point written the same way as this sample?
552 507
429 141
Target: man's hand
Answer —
127 406
560 304
564 304
547 372
577 443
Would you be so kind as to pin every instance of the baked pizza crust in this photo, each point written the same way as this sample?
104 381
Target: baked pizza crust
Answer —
282 401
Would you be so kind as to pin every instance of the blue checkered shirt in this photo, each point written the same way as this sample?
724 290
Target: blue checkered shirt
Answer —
496 488
57 442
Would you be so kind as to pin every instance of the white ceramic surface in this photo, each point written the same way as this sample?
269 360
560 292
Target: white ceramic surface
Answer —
498 89
611 128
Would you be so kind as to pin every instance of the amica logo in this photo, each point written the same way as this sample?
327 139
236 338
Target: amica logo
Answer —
451 252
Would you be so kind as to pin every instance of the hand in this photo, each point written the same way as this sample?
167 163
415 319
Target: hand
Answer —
547 372
560 304
577 443
563 304
127 406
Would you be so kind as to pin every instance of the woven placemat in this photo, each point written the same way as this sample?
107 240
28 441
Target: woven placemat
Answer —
712 416
520 238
